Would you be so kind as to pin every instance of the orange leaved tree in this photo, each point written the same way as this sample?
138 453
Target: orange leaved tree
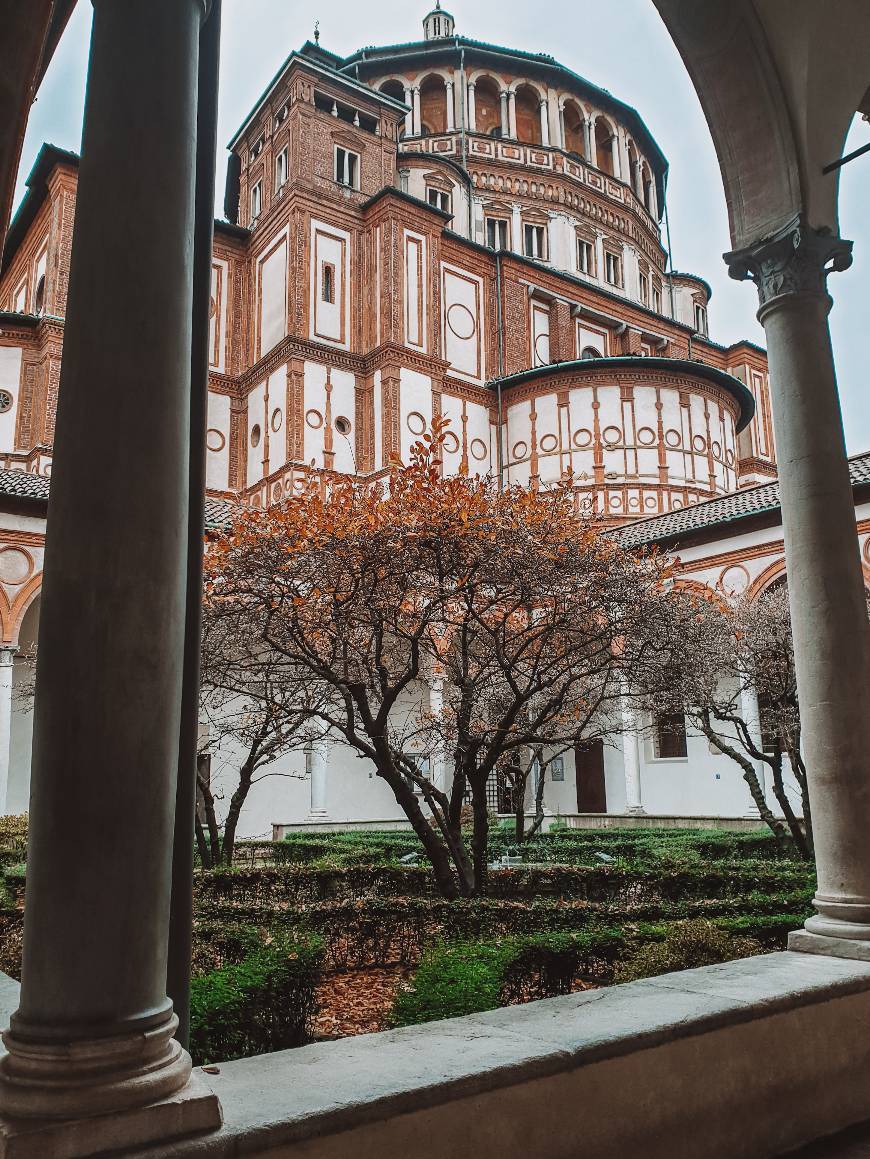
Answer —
444 629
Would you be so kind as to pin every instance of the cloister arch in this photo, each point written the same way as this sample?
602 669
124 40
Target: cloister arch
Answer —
528 114
573 121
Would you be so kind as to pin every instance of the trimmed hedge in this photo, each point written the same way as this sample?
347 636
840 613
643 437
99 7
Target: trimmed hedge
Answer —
470 977
261 1004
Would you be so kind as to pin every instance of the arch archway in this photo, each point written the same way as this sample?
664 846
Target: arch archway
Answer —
395 89
528 114
604 134
433 105
487 107
573 122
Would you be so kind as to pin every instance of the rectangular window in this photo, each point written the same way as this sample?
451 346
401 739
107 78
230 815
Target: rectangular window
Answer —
644 289
557 769
613 268
497 233
420 763
700 318
256 201
657 298
534 241
346 167
585 256
327 284
438 198
670 736
281 169
19 298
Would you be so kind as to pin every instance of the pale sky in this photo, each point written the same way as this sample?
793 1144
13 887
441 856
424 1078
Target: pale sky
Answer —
621 46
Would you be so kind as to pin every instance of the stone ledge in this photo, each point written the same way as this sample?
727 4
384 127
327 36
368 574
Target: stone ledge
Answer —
749 1058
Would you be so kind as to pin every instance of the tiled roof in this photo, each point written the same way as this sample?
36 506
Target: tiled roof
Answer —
720 512
27 486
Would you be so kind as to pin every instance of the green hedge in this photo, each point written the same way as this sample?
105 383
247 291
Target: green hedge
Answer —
470 977
261 1004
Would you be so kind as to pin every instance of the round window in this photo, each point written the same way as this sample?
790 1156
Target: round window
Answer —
342 425
256 435
5 401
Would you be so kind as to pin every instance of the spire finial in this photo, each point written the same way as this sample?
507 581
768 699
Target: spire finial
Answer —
317 32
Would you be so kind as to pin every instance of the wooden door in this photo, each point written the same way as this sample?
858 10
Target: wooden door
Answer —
589 772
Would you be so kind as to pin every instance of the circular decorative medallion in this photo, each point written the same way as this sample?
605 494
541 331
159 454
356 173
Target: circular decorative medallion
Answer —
521 449
649 502
673 438
611 435
734 579
276 492
646 436
699 443
615 501
256 435
461 321
729 458
676 503
6 401
451 443
214 439
342 424
549 443
479 449
314 419
277 420
634 503
415 422
582 437
15 566
717 449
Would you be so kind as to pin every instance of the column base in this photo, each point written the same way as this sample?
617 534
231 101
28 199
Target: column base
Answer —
316 817
193 1110
804 942
635 810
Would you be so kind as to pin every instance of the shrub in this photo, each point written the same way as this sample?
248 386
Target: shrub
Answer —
685 945
263 1003
219 944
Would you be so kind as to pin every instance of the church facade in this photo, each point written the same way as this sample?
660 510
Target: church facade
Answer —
443 227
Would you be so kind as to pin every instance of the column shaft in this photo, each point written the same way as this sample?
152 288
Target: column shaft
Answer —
448 85
472 109
826 586
752 720
505 123
112 619
545 124
512 113
416 109
631 757
319 766
409 116
6 674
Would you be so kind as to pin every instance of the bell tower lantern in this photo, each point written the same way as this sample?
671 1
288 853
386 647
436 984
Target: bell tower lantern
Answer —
438 25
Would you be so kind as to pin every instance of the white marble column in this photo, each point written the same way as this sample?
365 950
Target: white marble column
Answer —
545 123
451 111
512 113
614 153
415 103
318 758
516 229
93 1033
409 116
591 143
752 719
7 653
472 108
631 757
561 141
505 123
825 580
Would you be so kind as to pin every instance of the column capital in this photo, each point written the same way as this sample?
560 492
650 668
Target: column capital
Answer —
795 260
7 654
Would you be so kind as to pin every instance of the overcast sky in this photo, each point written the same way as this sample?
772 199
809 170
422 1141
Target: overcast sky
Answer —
621 46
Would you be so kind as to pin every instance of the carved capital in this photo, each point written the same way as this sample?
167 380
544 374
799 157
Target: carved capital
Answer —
795 260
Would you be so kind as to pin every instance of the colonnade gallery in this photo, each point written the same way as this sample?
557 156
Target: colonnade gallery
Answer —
443 227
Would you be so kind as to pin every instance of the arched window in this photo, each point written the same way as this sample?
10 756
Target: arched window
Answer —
633 171
528 114
487 107
433 105
39 296
647 188
603 146
590 352
573 119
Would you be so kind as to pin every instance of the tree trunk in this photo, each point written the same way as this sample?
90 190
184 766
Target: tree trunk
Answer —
749 775
214 839
436 849
246 775
539 803
797 833
202 844
479 839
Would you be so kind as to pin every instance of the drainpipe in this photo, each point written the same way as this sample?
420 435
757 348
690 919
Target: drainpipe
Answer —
670 254
464 102
500 330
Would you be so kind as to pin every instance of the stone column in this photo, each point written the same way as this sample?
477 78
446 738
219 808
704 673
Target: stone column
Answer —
631 756
93 1034
318 757
409 116
752 719
7 653
448 87
545 123
614 153
472 108
561 141
591 143
516 229
512 113
417 129
826 586
505 123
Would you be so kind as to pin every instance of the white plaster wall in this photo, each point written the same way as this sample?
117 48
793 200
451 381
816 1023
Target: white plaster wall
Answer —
256 419
415 409
330 321
10 379
273 297
218 442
